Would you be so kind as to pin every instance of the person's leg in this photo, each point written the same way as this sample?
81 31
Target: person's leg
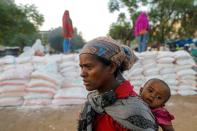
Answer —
65 45
144 41
68 46
139 38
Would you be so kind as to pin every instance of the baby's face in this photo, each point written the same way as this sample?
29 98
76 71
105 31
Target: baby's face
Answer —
154 93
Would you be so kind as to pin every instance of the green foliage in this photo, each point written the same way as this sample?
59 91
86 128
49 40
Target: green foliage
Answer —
121 32
77 42
16 26
56 40
163 15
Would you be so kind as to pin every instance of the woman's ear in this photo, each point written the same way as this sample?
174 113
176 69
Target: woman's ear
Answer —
141 89
113 68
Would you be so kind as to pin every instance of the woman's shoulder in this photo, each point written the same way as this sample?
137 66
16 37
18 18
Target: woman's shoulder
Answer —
134 112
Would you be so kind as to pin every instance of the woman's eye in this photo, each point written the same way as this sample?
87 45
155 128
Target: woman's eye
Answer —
89 67
158 97
150 91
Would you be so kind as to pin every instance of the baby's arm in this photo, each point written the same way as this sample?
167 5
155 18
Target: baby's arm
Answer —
167 127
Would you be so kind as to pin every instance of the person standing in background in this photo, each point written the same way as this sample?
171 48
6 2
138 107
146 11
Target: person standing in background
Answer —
141 31
68 31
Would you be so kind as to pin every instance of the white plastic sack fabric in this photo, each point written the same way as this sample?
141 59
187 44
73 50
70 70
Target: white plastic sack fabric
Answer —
164 54
13 82
145 62
169 65
54 57
71 93
168 76
27 52
11 88
37 102
172 82
42 83
182 54
188 82
137 83
153 76
151 72
16 73
7 60
136 71
166 60
186 92
33 95
150 66
164 71
68 101
50 67
23 59
188 61
41 90
182 67
13 94
174 92
11 101
136 65
186 72
37 46
68 64
188 77
186 87
149 54
72 83
70 57
54 78
39 59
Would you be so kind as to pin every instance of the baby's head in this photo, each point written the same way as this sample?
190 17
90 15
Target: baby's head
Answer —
155 93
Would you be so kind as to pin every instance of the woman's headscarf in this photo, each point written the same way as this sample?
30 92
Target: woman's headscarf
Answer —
67 25
111 50
141 23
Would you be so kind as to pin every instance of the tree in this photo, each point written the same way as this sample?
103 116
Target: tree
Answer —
56 40
163 15
121 30
18 27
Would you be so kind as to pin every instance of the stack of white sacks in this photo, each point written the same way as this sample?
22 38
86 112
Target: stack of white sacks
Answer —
54 80
175 68
14 76
72 91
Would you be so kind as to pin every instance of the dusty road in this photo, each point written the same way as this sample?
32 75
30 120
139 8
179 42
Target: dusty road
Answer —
65 118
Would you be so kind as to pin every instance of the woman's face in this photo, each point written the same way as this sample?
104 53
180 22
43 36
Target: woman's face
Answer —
94 73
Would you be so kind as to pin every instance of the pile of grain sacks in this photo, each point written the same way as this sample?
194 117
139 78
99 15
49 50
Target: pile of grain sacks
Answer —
54 80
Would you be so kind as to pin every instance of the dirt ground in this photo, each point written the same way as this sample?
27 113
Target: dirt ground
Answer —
65 118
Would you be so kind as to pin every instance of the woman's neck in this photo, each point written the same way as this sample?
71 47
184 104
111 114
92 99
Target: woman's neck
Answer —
110 85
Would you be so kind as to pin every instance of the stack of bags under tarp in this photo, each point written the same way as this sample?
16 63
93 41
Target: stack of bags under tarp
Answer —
13 82
175 68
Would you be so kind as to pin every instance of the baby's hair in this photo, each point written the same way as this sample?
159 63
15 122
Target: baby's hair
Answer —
163 82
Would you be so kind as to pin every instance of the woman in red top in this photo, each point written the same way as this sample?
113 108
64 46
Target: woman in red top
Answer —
112 104
68 31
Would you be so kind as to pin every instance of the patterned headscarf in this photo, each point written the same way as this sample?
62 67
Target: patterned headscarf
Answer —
111 50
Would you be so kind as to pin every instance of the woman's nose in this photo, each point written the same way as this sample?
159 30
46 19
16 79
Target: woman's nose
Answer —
83 72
